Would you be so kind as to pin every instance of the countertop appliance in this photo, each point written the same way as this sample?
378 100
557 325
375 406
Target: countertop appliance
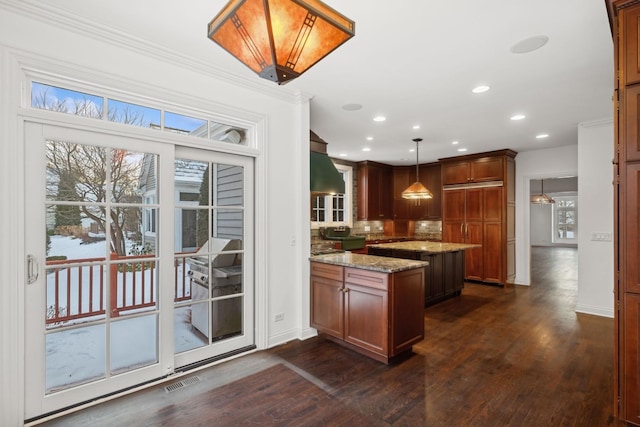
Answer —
343 234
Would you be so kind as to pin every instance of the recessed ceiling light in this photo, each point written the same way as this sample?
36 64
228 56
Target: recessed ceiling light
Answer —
379 119
455 143
366 149
416 126
411 150
529 44
480 89
352 107
343 154
518 117
462 150
542 135
369 138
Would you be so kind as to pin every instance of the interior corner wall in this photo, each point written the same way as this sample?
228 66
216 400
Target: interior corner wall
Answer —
82 56
536 164
595 201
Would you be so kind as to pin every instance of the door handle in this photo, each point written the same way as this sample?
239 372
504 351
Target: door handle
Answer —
461 229
32 269
466 231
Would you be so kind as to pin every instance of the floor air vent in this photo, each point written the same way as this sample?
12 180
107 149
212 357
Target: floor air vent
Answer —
180 384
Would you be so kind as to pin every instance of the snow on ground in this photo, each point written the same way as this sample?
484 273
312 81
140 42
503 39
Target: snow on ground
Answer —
78 355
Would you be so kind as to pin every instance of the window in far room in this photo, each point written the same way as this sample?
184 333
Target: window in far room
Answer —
565 219
333 209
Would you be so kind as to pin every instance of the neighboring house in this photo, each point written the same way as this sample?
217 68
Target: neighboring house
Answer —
188 178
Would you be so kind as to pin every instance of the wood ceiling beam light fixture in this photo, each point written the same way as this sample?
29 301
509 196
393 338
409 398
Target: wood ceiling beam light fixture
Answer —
279 39
417 191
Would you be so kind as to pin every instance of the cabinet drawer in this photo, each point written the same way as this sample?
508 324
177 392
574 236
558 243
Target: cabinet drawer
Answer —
372 279
328 271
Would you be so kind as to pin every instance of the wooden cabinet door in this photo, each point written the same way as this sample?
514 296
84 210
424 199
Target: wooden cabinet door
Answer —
474 204
435 270
366 317
455 173
474 257
486 169
401 180
375 199
385 194
630 229
453 216
630 356
434 184
492 253
631 44
631 149
327 306
492 204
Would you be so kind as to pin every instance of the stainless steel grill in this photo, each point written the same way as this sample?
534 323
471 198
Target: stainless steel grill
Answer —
223 276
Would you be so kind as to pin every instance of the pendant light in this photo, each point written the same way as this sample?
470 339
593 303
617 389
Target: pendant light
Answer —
417 191
279 39
541 199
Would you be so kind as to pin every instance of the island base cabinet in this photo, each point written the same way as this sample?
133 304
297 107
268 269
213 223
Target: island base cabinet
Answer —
444 277
377 314
366 318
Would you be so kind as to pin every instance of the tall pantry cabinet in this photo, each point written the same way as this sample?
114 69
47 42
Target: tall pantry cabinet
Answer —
625 23
478 207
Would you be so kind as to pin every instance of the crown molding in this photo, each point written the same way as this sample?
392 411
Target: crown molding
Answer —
49 14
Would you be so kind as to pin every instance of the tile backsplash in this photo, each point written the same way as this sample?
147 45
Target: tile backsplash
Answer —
431 230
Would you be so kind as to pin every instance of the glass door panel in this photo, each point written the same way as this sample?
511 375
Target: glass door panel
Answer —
92 315
216 317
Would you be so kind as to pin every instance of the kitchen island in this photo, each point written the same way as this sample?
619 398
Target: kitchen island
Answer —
370 304
445 273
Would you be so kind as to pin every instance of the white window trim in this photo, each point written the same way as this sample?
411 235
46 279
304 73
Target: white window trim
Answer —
348 201
554 218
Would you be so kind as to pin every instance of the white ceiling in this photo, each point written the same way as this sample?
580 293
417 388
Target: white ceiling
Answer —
416 61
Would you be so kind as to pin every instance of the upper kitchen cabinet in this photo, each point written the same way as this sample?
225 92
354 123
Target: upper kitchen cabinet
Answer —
630 43
374 191
403 176
474 168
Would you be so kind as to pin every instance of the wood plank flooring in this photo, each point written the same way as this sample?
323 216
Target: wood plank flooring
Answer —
494 356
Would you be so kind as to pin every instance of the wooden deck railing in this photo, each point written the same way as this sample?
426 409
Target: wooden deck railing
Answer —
76 289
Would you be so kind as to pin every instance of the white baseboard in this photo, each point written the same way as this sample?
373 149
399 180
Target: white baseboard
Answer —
594 310
290 335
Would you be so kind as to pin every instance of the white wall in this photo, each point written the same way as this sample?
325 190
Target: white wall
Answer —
595 205
590 160
281 159
547 163
541 225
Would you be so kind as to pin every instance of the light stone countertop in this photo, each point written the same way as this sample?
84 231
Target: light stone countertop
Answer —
424 246
369 262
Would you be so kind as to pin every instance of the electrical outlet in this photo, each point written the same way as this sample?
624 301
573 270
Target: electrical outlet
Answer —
279 317
367 228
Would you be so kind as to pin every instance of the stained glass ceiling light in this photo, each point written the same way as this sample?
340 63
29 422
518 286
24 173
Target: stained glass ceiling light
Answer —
279 39
416 190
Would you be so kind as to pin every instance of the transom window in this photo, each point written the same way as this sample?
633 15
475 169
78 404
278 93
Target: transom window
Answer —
69 101
333 209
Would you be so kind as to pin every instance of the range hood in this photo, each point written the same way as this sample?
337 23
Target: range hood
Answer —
324 177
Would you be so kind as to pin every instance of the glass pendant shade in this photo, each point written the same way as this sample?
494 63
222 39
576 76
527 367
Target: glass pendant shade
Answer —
417 191
541 199
279 39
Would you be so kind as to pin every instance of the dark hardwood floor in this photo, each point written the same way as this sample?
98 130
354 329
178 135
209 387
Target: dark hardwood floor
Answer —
517 356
